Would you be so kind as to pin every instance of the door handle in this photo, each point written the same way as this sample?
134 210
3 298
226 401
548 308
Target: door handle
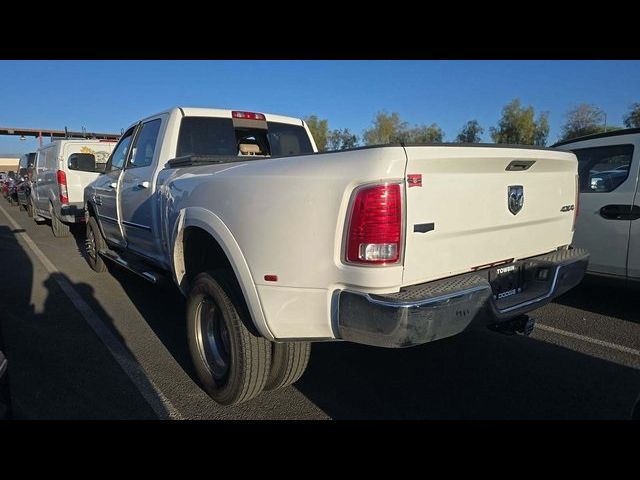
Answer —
620 212
143 184
113 185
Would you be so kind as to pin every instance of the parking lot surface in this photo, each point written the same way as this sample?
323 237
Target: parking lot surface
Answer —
83 345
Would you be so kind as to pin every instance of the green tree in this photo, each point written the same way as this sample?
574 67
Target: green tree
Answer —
423 134
518 126
583 120
341 139
542 130
319 129
386 129
471 133
632 118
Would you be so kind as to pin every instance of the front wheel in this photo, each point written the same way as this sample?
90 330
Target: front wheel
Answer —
231 362
29 208
94 243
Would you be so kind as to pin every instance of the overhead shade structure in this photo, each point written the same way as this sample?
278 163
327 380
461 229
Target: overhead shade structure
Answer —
41 132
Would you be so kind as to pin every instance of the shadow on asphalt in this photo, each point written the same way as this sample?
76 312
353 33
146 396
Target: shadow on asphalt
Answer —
162 306
612 298
475 375
58 368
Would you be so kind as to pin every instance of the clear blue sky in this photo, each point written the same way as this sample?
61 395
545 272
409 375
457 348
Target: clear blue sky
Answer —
110 95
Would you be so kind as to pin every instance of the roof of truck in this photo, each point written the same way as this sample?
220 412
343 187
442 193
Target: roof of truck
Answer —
613 133
224 113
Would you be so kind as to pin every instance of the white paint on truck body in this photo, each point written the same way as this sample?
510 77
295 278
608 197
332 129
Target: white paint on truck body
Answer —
464 194
287 216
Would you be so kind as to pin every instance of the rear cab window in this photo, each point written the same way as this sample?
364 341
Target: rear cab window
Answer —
241 138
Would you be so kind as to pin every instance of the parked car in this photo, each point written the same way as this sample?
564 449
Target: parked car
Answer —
8 188
12 192
276 246
609 205
23 187
2 184
63 168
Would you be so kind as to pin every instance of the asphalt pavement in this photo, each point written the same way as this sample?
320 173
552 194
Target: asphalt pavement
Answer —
84 345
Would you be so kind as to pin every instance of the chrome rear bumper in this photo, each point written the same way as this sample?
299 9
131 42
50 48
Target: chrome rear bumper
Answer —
439 309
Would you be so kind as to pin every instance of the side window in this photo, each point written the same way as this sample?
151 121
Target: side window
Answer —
119 155
145 145
84 162
603 169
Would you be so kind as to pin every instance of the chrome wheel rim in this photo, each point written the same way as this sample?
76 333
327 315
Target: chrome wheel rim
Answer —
213 339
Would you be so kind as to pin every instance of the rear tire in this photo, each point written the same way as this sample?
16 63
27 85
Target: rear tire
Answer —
60 229
93 244
231 362
288 363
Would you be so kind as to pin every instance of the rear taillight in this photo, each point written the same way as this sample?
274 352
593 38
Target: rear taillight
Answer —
576 210
62 186
375 226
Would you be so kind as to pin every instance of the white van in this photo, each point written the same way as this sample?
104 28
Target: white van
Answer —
608 225
63 168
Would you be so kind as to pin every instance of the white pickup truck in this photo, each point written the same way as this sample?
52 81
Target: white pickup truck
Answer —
276 246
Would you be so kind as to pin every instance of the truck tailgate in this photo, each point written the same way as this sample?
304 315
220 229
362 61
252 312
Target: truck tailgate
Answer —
459 219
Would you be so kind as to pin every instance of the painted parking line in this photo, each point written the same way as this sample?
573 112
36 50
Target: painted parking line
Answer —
584 338
160 404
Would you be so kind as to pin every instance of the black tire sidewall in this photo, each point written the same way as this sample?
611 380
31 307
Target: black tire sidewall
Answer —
208 287
215 286
283 373
97 264
59 228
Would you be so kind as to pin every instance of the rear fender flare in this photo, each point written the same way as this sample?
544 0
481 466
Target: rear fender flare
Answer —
212 224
